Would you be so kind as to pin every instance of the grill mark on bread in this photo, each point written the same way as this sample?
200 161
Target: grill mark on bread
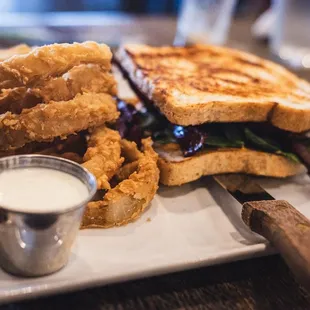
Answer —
230 81
212 72
248 62
142 60
178 51
208 72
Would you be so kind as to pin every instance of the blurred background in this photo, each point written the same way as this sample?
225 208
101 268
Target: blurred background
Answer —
130 6
272 28
112 21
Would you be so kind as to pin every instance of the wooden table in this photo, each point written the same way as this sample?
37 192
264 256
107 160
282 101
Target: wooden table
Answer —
261 283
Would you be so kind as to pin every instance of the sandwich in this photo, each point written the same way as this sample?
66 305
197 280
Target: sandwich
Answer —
213 110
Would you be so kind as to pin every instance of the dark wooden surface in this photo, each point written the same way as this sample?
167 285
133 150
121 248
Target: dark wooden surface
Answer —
261 283
264 283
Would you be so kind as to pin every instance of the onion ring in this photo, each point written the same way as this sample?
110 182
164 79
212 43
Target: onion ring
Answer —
126 202
103 156
56 119
51 60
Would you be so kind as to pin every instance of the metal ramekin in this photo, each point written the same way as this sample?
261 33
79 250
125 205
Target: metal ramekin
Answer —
37 244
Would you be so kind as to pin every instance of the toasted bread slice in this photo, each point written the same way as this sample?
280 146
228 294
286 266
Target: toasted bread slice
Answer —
199 84
176 169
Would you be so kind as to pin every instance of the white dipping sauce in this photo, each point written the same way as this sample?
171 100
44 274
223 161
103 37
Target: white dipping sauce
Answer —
40 190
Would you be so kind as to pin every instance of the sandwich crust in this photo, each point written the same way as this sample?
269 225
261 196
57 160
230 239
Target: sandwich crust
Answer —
201 83
177 170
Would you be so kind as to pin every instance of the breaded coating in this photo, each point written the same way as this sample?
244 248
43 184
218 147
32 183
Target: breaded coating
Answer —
56 119
91 78
74 146
15 99
125 171
130 150
82 78
51 60
103 156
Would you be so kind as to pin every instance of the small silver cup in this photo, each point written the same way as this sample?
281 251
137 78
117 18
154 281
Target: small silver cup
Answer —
37 244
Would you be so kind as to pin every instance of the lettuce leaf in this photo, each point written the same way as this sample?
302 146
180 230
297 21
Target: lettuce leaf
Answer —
234 134
290 156
219 141
268 145
264 144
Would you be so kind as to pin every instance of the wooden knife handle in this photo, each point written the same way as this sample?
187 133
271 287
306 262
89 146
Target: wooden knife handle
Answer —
286 229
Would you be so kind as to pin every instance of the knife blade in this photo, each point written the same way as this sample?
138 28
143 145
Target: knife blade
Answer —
276 220
242 188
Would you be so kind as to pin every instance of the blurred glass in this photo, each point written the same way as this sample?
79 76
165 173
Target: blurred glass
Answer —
291 35
204 21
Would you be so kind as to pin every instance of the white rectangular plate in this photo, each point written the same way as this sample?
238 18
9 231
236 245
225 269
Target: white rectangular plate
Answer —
193 225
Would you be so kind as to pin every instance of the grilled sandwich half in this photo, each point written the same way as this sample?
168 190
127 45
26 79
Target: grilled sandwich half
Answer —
218 110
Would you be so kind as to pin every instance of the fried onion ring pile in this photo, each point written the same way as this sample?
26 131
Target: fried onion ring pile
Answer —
78 80
58 100
55 91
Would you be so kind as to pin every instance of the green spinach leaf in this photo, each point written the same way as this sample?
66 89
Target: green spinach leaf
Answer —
264 144
219 141
164 137
234 134
268 145
290 156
